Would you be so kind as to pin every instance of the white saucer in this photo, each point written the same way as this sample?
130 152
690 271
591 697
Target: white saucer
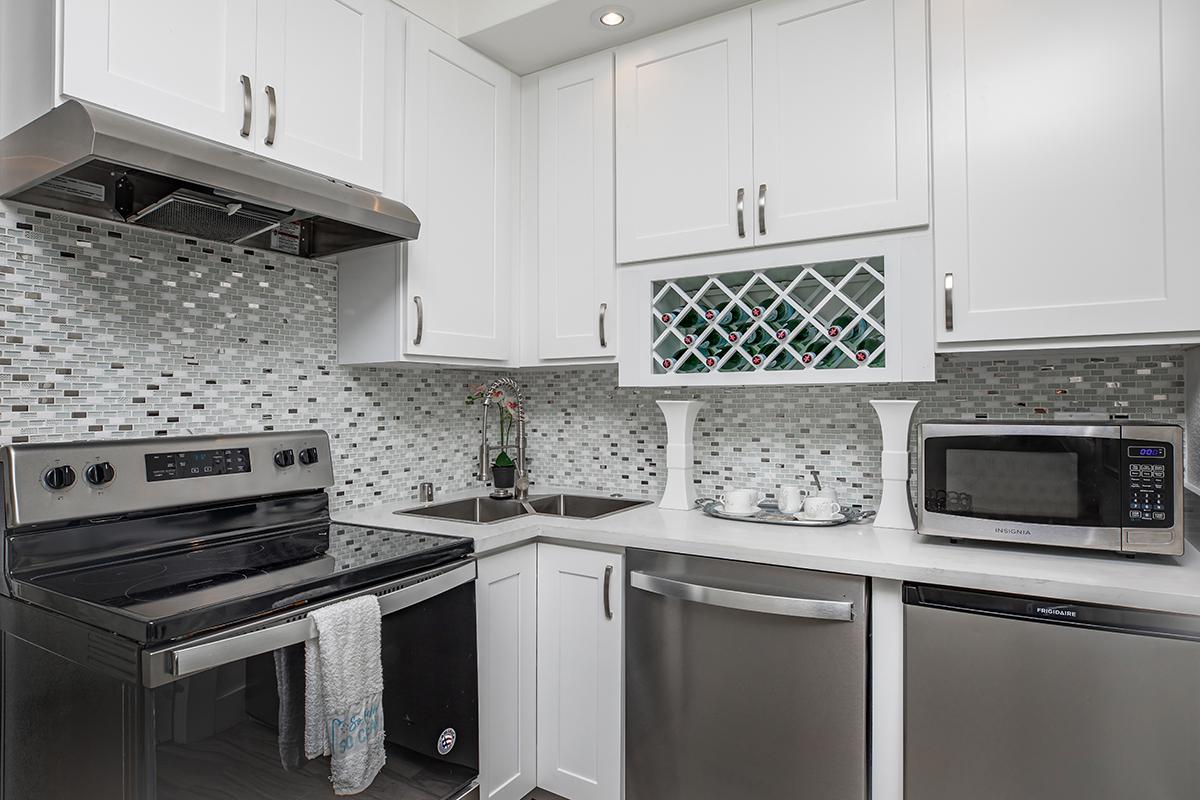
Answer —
835 518
732 513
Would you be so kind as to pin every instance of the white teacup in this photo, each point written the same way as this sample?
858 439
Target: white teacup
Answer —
821 508
741 501
791 499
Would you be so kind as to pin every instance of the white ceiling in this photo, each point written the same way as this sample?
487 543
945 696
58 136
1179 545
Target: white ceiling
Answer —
528 35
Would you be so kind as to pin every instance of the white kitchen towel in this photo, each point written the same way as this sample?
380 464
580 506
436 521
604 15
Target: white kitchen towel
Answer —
343 697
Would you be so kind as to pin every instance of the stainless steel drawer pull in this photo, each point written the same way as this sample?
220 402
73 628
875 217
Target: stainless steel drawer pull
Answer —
608 571
833 610
603 314
741 212
762 209
191 659
271 114
949 300
420 320
247 106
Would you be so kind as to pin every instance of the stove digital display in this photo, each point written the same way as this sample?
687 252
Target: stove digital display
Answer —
196 464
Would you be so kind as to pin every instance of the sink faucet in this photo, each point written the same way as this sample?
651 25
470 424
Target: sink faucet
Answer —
521 488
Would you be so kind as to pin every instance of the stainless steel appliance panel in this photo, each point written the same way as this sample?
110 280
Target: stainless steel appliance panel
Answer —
744 680
999 708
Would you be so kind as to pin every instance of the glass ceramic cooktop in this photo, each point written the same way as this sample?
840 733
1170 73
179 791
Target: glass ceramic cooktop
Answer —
223 582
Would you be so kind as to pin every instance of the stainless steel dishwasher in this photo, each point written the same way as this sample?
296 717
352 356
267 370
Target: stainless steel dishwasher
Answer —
743 681
1018 697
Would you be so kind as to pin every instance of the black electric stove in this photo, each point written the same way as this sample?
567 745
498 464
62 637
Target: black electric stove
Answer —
195 587
151 588
230 529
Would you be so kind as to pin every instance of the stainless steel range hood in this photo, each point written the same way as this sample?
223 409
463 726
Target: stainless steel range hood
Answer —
92 161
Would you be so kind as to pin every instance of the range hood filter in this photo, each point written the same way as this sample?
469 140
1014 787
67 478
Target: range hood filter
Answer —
193 214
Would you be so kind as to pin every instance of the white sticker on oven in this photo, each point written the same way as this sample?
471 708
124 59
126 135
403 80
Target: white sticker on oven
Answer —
447 741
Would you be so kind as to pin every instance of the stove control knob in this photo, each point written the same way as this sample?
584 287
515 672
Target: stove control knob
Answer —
100 474
59 478
309 456
285 458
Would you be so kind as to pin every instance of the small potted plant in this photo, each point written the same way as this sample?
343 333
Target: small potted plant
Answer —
504 471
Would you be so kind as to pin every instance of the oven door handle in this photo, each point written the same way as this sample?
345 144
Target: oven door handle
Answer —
186 660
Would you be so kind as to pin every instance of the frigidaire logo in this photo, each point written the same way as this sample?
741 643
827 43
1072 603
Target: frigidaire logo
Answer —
1015 531
1053 611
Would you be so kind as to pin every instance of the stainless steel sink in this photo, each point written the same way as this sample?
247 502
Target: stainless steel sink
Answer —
578 506
482 510
476 509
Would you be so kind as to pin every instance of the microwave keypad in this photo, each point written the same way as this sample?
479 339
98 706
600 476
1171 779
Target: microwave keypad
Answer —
1148 482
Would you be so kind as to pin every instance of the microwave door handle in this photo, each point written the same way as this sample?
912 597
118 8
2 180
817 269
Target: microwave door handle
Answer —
833 610
188 660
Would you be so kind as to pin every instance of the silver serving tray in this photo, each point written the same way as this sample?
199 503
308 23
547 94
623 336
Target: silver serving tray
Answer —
769 514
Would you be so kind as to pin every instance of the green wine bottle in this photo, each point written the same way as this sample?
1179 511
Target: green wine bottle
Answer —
683 319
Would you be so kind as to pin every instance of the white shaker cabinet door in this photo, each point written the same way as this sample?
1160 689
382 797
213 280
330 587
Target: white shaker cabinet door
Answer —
320 97
684 141
186 65
506 595
1066 167
841 132
576 262
458 157
580 667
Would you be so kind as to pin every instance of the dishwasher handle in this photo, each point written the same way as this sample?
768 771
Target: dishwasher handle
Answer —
832 610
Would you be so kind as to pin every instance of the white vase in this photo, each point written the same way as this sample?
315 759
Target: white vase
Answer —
680 493
895 508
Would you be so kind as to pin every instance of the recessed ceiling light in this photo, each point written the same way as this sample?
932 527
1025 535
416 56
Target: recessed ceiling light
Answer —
609 17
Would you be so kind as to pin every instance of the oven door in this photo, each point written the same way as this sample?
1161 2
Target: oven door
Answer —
1045 484
213 723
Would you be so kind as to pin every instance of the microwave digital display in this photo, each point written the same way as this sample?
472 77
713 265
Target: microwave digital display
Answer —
1147 452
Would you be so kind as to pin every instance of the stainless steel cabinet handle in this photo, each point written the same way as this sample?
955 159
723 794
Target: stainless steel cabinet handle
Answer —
420 320
762 209
271 114
743 601
608 570
247 106
949 300
603 314
741 212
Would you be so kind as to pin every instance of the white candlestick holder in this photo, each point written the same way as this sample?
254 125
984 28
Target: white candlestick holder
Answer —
895 507
680 493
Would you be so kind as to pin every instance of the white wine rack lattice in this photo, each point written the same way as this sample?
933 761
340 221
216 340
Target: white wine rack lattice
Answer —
827 316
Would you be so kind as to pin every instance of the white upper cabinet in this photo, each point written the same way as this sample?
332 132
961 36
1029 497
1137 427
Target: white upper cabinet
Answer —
458 175
1066 167
579 673
684 141
576 262
182 64
817 129
321 78
299 81
841 141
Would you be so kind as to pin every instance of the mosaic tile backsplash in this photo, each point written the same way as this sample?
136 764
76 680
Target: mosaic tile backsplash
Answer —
108 330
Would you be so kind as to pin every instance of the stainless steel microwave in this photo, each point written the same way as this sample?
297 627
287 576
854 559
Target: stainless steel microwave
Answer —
1104 486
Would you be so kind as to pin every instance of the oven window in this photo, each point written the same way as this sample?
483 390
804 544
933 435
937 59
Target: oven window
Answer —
1056 480
217 733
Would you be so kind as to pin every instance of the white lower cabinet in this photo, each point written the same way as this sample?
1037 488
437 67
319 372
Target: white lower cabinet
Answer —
506 604
557 725
580 669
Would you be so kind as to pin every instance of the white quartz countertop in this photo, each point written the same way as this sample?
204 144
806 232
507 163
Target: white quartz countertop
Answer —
1149 582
